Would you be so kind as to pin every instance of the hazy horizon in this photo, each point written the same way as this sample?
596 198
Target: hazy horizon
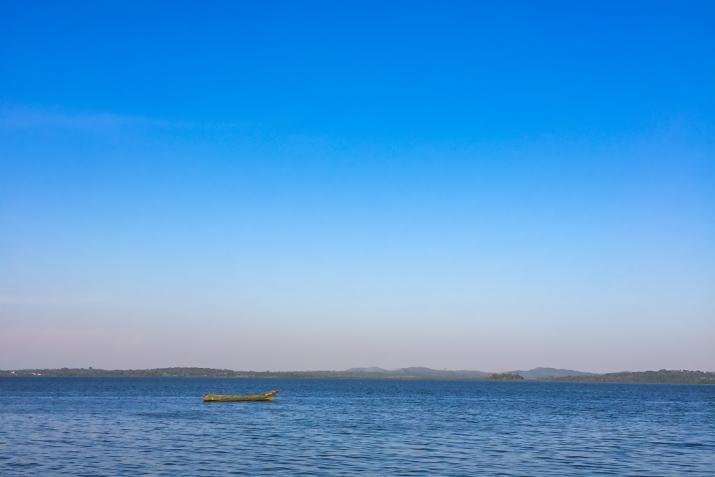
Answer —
287 186
362 368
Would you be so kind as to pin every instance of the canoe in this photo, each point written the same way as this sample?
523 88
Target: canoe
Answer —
240 397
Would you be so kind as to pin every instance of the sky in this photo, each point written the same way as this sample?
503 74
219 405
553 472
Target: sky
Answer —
325 185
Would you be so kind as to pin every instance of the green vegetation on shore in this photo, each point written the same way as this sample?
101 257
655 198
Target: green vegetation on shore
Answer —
664 376
539 374
505 377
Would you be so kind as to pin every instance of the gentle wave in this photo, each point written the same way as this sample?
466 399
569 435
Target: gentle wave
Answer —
331 427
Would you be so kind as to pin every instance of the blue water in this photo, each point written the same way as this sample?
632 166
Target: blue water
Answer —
325 427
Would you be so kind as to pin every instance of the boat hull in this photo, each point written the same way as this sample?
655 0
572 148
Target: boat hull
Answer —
239 397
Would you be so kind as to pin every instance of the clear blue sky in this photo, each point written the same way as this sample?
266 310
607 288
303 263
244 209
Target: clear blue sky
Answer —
302 185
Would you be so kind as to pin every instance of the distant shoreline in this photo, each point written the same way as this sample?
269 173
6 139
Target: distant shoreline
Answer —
404 374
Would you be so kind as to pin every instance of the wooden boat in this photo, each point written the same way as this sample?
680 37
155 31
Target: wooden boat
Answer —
240 397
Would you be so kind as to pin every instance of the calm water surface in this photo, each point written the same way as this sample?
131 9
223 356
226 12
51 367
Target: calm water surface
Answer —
324 427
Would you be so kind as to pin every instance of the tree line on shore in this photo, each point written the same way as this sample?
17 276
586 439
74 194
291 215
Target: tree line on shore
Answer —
662 376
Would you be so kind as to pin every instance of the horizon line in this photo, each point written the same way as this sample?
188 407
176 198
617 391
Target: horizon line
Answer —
356 369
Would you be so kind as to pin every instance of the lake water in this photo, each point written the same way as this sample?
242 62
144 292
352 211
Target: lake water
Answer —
328 427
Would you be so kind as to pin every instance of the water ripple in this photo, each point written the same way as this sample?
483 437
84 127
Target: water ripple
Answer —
161 427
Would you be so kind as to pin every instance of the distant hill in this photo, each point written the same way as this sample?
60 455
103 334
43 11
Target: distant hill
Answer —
413 373
363 373
418 372
443 373
372 369
547 373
